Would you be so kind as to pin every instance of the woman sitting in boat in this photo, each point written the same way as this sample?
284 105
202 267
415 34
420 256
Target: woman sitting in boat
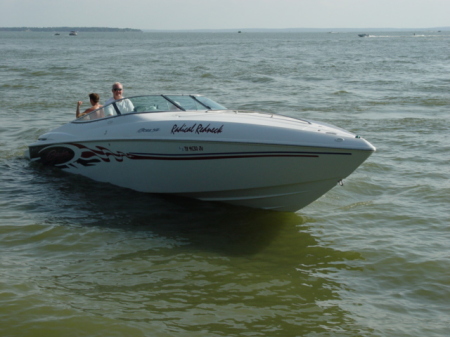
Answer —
94 99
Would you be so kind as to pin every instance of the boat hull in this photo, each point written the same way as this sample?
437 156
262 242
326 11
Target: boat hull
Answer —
276 177
191 146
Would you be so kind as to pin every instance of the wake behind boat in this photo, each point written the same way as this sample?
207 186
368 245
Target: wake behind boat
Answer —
191 146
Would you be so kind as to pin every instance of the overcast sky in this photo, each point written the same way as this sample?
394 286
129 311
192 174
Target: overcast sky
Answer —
225 14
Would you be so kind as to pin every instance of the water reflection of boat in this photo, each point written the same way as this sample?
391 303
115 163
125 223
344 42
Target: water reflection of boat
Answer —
191 146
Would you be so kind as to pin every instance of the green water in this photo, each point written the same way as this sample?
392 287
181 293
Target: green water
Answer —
370 258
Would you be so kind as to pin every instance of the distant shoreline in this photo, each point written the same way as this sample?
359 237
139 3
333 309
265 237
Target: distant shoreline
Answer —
240 30
296 30
68 29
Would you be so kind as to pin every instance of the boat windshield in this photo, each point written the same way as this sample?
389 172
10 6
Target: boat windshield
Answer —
152 103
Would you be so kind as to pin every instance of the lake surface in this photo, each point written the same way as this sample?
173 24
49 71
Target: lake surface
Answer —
370 258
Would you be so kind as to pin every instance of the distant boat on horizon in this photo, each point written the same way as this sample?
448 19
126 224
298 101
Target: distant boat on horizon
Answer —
363 35
73 33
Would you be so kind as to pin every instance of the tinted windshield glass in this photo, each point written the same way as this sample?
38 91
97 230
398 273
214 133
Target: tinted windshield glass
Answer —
186 102
210 103
153 103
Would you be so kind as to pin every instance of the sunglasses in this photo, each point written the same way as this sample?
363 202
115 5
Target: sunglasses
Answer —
117 89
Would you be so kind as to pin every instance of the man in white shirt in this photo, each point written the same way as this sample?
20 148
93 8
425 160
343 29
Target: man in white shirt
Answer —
124 105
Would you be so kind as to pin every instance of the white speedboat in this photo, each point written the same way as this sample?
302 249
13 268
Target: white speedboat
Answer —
189 145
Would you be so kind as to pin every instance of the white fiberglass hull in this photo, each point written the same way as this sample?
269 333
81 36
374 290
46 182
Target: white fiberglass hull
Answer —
284 178
249 159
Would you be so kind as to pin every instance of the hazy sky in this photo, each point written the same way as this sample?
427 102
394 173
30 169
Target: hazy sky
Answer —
225 14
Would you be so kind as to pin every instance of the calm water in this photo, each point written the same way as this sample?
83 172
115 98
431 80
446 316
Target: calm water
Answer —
371 258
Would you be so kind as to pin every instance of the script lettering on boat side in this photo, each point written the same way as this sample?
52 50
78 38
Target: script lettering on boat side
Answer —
148 130
56 155
198 129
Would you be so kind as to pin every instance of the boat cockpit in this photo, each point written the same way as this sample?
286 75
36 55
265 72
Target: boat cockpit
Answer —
152 103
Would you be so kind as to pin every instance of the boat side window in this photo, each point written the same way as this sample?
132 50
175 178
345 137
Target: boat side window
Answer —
155 103
209 103
96 114
115 108
120 107
110 110
186 102
173 103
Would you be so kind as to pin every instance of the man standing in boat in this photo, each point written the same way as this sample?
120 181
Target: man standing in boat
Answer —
121 105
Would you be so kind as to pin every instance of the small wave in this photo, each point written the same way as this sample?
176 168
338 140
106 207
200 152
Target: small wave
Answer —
340 92
259 79
17 86
40 73
18 69
207 75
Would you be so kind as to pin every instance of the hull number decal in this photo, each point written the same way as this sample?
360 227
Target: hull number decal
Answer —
191 148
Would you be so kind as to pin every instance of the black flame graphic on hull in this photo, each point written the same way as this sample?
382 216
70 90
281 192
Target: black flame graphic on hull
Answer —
66 156
69 155
100 153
